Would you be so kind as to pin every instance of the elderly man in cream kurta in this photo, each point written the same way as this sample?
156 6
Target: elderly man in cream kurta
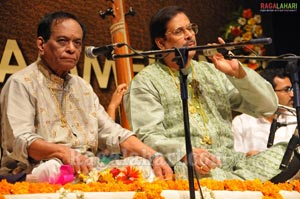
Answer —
50 117
39 116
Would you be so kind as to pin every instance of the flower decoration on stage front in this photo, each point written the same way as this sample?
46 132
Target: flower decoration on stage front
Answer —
126 175
246 26
145 189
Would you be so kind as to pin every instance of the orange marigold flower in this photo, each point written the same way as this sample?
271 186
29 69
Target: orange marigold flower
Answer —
5 187
212 184
253 185
140 195
235 185
270 189
296 185
129 175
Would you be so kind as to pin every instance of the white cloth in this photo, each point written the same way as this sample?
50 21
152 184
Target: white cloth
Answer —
47 171
252 133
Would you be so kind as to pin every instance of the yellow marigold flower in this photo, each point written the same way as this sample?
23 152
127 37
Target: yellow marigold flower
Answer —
247 36
248 28
258 31
251 21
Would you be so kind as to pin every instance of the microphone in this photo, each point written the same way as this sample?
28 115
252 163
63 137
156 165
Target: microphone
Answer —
292 145
273 129
224 48
93 52
211 52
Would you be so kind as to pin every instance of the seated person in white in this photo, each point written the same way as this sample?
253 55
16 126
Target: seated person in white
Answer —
251 134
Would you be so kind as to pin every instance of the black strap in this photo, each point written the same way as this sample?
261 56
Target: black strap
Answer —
288 173
13 178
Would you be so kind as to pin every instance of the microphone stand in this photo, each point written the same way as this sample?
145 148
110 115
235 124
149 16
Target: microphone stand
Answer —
181 55
273 129
294 144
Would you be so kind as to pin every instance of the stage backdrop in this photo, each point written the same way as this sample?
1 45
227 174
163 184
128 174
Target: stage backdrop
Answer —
19 19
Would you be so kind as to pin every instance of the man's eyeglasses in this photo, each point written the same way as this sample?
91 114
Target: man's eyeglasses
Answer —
179 32
286 89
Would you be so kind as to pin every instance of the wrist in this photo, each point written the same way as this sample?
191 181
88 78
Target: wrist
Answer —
112 107
154 156
241 72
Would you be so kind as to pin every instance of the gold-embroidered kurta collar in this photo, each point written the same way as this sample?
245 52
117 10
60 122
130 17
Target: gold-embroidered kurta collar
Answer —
51 76
175 72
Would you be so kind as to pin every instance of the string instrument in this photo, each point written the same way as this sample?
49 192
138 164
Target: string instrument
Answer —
119 34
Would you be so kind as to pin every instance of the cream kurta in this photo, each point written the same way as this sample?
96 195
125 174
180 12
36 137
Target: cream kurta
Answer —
30 111
154 109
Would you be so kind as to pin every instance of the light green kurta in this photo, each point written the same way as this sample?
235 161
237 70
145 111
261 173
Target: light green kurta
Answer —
154 109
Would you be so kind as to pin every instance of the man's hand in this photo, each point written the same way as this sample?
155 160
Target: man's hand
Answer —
229 67
81 163
161 168
252 152
204 161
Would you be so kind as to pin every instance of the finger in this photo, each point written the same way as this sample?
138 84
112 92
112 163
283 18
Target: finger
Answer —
212 162
84 169
85 164
221 41
216 160
202 169
74 160
206 168
122 85
158 172
207 162
169 175
77 169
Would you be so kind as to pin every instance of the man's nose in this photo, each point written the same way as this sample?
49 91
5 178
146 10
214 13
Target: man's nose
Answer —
71 46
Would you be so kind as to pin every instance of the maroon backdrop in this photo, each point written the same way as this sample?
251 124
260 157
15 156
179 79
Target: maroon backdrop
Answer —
19 18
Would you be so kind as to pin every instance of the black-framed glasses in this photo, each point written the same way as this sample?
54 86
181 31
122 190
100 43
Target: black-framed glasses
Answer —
286 89
180 31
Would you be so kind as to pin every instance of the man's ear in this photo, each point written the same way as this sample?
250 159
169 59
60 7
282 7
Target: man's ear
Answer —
160 42
40 42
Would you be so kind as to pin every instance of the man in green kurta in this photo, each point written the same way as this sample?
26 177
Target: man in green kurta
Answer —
154 107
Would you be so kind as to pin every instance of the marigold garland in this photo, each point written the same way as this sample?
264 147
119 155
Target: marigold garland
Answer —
110 181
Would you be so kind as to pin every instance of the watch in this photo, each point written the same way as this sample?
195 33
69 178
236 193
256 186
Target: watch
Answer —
155 155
